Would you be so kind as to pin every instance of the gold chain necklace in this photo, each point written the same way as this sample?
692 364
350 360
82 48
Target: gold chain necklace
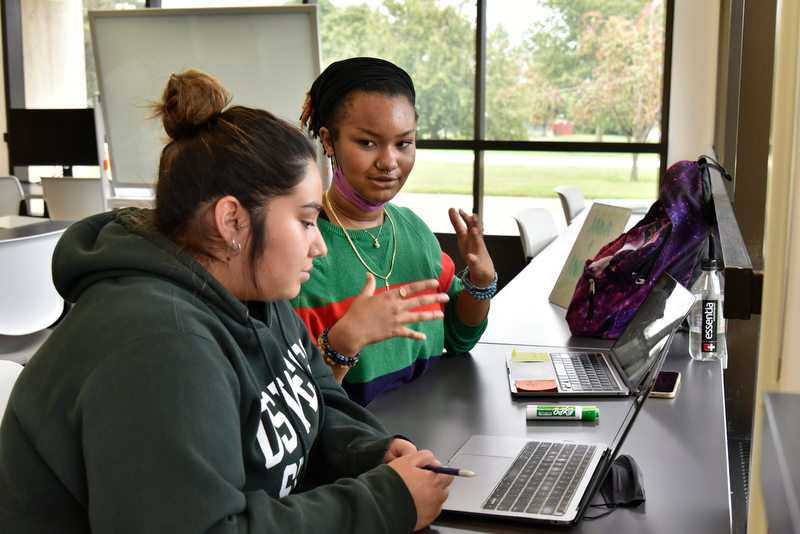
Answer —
349 240
374 237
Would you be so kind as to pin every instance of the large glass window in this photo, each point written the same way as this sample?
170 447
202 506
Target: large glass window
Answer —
515 97
434 41
574 71
572 95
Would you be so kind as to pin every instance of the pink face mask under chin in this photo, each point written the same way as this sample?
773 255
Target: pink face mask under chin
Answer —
346 190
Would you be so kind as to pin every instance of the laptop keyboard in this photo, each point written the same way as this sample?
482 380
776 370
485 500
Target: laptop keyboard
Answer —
582 371
542 480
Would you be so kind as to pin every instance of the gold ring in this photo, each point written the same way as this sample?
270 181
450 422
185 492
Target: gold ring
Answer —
402 291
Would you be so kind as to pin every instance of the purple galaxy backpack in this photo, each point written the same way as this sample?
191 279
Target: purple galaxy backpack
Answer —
670 238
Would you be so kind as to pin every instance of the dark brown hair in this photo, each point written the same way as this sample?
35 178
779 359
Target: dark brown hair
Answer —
340 109
214 152
333 91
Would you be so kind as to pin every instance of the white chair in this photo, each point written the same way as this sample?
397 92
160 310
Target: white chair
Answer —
72 199
536 229
9 372
29 301
571 200
11 195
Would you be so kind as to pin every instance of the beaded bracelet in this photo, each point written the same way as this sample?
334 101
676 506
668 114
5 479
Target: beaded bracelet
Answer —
331 356
474 291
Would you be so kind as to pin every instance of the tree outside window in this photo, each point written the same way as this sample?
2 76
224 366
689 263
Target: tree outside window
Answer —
557 72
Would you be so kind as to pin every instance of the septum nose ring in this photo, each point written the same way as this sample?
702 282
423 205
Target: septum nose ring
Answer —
385 171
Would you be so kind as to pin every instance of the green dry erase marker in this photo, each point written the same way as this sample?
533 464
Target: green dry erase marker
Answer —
586 413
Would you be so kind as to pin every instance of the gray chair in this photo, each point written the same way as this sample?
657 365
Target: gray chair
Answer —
571 200
536 229
72 199
20 349
11 196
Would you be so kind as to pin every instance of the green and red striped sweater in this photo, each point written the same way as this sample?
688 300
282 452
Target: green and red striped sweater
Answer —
339 276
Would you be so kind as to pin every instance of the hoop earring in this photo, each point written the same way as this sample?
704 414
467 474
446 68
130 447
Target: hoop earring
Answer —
235 247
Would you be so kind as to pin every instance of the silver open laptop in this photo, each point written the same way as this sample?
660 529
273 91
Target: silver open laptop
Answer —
553 481
569 371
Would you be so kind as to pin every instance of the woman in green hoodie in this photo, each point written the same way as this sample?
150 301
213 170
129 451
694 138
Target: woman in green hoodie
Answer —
182 393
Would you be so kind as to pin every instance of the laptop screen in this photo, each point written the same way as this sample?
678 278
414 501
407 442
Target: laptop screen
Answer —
640 343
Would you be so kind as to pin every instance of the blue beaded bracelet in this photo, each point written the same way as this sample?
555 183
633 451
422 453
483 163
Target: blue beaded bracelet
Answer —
474 291
331 356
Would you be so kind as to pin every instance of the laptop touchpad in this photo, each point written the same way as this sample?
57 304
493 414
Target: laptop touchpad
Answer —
469 493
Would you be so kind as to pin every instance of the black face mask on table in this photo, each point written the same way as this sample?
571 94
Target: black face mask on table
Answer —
624 484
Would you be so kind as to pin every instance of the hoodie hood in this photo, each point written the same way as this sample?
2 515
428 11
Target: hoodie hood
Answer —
114 244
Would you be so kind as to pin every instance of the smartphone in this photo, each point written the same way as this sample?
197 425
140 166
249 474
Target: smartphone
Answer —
667 385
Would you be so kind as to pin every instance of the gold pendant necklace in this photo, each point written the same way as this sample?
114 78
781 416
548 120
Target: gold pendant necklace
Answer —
374 237
353 245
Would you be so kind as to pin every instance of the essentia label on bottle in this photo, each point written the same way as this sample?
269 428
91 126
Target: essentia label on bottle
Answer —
708 326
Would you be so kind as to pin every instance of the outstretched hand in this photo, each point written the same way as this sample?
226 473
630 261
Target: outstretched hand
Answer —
472 247
373 317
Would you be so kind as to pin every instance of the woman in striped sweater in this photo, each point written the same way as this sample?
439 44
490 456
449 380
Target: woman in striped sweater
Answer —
385 297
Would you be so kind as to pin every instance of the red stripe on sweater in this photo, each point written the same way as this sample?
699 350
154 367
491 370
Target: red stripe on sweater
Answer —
320 318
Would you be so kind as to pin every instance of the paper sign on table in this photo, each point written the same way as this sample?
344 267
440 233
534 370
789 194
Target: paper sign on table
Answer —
603 224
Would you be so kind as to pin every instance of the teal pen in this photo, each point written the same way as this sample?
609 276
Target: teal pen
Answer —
449 471
585 413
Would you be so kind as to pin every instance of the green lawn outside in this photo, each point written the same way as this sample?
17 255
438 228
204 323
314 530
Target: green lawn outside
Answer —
433 177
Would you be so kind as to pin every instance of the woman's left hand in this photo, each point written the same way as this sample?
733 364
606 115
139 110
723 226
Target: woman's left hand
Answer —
397 448
472 247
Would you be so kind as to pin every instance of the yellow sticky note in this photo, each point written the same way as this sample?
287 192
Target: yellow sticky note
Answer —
517 356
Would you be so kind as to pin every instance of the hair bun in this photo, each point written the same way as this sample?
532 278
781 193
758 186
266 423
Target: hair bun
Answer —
190 99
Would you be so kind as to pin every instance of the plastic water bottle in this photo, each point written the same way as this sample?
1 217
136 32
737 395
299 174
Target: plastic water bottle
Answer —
706 322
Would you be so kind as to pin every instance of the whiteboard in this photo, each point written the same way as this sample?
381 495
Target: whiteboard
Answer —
267 57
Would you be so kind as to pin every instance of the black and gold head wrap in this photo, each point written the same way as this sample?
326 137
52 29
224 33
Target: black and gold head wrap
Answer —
344 76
